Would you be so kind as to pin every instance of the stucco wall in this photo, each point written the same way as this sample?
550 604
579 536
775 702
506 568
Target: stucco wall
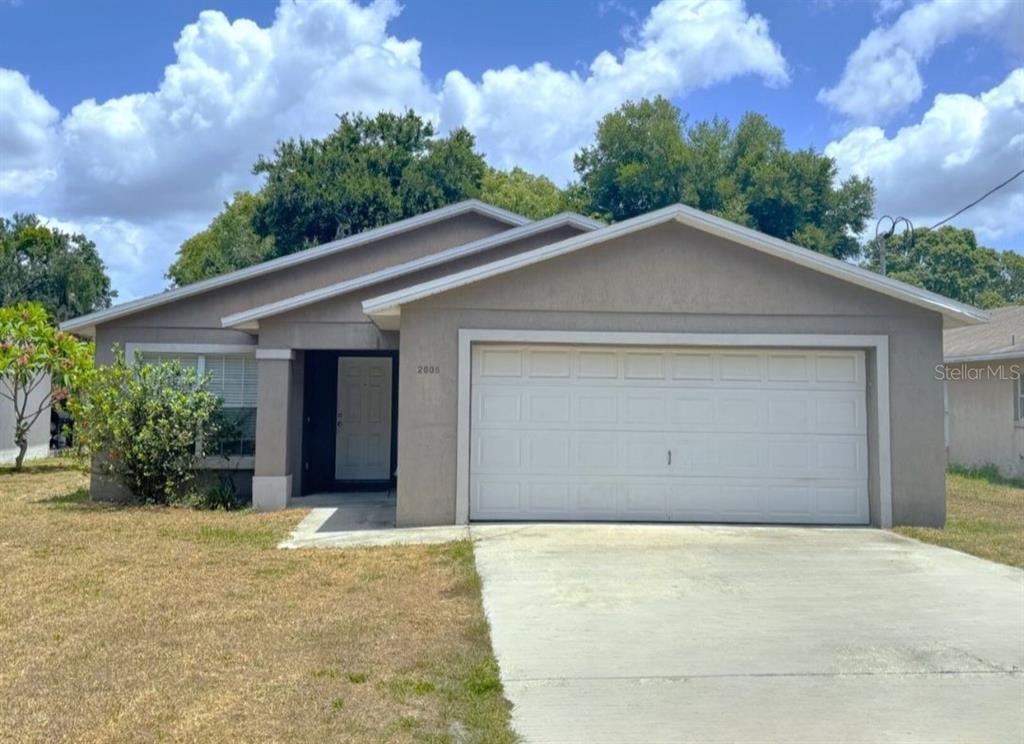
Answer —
982 429
339 323
679 280
333 324
197 319
38 435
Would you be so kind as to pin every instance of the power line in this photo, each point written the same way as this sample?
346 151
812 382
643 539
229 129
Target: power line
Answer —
979 199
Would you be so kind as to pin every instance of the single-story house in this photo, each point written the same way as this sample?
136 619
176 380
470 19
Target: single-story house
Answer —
671 367
984 376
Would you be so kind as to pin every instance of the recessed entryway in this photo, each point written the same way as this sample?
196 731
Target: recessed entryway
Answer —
349 421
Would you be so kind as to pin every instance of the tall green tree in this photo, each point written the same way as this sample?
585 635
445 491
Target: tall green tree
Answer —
950 261
60 271
646 156
229 243
368 172
521 192
1013 277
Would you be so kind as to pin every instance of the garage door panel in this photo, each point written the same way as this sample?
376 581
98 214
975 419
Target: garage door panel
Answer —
748 435
670 500
700 409
549 451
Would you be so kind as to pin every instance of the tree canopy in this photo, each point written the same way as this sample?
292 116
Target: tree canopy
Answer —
950 261
61 271
532 196
371 171
229 243
368 172
645 156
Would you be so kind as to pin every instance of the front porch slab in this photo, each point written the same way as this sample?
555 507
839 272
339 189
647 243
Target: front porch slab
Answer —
360 520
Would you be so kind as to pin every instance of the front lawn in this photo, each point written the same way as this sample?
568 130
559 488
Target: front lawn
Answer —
166 624
984 517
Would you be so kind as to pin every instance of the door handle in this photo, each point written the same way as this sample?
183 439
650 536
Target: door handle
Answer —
670 457
339 420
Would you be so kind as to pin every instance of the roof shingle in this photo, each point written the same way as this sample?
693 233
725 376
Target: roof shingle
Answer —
1002 336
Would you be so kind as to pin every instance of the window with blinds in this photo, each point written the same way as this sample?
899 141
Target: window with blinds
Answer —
233 378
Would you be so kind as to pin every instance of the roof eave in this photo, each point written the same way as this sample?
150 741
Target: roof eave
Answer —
994 356
85 324
304 299
957 312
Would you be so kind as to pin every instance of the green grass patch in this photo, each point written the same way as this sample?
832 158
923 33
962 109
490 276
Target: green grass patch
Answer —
988 473
403 688
261 538
985 516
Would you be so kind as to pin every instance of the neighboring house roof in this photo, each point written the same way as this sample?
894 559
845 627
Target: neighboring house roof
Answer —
1001 338
386 310
249 319
86 324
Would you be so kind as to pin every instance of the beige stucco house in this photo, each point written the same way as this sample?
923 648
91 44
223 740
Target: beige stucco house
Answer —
670 367
983 373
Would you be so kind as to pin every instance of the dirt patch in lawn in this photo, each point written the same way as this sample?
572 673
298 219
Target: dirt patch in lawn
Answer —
166 624
984 517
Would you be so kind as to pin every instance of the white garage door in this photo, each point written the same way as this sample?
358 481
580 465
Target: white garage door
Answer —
674 434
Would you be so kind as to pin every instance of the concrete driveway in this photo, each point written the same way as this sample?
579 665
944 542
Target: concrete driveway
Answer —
725 634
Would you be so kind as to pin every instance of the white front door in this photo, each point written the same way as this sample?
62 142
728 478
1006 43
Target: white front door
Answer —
668 434
363 425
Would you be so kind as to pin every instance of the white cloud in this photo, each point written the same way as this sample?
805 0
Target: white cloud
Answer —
233 91
538 116
140 172
27 136
882 77
962 147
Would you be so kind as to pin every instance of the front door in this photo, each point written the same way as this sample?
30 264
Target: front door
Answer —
363 426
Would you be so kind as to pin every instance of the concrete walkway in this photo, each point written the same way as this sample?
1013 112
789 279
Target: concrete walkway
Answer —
723 634
355 520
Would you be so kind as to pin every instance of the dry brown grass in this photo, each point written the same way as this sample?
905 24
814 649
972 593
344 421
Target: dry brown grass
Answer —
985 517
171 625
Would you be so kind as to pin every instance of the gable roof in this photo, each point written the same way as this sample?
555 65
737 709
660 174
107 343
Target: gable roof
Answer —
249 319
1001 338
386 309
85 324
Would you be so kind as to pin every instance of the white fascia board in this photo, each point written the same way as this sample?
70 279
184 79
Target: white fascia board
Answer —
247 318
957 312
995 356
86 324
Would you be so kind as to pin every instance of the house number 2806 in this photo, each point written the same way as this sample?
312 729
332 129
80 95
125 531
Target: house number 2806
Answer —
427 369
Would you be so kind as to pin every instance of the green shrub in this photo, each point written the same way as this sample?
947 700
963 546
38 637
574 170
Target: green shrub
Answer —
148 426
219 495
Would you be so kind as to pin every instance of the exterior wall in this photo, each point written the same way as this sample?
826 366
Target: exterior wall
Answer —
197 319
669 279
339 323
982 430
38 434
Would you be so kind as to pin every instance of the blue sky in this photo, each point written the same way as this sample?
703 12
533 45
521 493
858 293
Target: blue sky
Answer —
141 172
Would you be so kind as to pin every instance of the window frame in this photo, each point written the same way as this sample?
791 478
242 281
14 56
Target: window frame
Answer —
1018 401
210 462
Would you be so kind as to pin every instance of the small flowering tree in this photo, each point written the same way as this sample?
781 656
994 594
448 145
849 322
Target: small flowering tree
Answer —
35 354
